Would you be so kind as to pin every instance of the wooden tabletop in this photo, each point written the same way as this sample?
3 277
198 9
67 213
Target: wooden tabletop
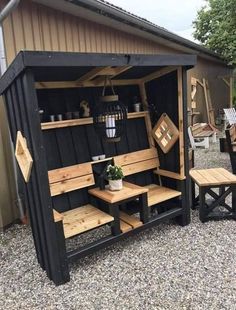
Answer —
128 191
211 177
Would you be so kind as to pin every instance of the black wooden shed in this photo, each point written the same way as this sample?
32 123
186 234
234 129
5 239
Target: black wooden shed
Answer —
57 174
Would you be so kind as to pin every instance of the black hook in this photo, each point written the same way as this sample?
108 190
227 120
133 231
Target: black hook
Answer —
128 58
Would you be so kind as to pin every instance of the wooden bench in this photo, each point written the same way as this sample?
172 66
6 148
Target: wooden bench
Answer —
231 143
83 218
141 161
201 132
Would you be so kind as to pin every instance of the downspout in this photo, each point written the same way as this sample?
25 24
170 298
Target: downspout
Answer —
6 11
3 14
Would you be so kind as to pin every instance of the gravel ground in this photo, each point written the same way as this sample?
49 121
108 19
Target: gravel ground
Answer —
167 267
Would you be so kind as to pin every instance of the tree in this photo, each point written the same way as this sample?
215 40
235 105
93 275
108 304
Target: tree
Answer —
215 28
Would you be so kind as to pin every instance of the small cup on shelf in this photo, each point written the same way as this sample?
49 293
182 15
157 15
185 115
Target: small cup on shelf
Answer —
95 158
52 118
59 117
103 156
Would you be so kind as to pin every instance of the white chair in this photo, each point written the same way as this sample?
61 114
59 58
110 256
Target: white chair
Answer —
198 142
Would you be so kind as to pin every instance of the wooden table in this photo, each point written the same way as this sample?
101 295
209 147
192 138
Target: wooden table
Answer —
113 199
207 180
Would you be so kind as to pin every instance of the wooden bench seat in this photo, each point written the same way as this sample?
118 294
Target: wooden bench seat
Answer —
157 194
145 160
83 218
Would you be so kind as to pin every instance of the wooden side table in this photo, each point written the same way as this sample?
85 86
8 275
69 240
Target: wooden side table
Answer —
207 180
113 199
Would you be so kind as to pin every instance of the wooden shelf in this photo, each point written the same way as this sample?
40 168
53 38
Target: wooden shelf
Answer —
83 121
83 219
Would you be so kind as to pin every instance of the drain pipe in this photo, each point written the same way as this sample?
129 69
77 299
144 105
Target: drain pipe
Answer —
3 66
3 14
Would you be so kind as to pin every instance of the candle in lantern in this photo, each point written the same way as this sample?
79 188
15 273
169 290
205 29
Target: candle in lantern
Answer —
110 126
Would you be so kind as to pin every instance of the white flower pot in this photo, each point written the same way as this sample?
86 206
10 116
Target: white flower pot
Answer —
115 185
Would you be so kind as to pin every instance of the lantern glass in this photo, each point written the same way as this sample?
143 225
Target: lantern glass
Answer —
109 118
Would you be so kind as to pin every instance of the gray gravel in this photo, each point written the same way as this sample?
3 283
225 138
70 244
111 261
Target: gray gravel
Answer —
167 267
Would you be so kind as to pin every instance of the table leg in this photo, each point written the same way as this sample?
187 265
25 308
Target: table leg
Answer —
234 199
221 192
144 209
115 225
202 204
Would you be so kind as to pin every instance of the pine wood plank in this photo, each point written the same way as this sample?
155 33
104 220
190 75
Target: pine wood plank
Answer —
128 191
83 219
169 174
23 156
157 194
181 121
213 177
125 227
140 166
62 174
71 184
133 221
134 157
83 121
57 216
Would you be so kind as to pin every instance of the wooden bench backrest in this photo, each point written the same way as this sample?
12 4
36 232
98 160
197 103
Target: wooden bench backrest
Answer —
70 178
139 161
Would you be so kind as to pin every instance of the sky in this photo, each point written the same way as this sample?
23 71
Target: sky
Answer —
174 15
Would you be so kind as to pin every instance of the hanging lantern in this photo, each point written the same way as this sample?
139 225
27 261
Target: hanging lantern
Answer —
109 116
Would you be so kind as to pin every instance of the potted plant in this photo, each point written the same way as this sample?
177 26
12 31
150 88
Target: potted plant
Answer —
115 176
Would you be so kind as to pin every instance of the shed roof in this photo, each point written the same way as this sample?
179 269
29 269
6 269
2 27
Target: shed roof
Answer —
108 14
70 66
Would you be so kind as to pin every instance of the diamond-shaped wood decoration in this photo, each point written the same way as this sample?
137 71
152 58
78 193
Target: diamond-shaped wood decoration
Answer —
165 133
23 156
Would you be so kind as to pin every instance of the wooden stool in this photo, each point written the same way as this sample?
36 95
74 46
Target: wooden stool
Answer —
207 179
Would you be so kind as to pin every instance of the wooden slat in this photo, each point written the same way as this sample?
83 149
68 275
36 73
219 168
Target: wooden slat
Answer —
231 177
204 134
157 194
169 174
181 122
140 166
57 216
129 190
83 121
70 172
91 74
83 219
133 221
213 177
23 156
134 157
74 84
125 227
158 73
71 185
111 72
149 130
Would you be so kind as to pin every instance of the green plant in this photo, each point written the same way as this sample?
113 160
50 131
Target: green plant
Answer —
114 173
